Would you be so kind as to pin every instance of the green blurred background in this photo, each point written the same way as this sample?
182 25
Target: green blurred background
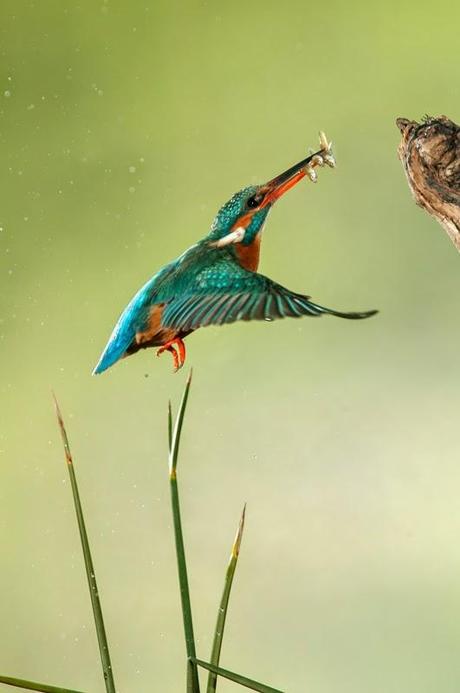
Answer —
124 126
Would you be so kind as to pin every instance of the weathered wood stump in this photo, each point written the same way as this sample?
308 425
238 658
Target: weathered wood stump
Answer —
430 154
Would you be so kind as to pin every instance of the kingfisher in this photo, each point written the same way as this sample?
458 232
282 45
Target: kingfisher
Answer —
216 282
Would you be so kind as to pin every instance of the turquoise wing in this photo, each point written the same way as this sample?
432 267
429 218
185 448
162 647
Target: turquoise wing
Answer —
225 292
207 286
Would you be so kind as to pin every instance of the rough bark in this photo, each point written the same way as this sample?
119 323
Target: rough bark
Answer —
430 154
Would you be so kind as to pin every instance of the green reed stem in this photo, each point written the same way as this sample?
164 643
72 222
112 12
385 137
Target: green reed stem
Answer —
193 685
237 678
90 574
34 686
223 606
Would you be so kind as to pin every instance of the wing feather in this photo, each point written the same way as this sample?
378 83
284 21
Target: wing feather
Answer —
223 292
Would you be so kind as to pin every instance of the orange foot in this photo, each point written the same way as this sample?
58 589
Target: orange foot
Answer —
178 356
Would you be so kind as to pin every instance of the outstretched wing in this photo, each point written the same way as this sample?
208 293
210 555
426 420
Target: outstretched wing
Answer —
225 292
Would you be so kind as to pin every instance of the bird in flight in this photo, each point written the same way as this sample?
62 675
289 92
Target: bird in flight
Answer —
216 282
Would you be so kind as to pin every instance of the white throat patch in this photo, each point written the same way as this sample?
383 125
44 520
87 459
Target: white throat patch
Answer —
235 236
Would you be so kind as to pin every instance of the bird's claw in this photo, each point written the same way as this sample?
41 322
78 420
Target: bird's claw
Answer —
178 356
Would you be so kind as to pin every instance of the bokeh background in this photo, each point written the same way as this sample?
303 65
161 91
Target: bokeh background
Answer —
124 127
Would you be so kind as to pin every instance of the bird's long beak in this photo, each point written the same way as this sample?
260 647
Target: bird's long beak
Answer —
285 181
276 187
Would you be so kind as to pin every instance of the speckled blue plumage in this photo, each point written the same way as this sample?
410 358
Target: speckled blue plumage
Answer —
201 269
174 279
207 285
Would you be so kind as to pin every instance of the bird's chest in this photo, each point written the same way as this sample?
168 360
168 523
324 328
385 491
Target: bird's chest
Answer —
248 255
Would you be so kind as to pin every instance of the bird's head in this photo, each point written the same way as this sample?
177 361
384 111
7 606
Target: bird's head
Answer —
242 217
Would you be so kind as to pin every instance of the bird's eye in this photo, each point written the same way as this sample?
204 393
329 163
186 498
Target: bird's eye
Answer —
254 201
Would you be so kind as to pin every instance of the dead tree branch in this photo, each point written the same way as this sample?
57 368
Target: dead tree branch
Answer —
430 154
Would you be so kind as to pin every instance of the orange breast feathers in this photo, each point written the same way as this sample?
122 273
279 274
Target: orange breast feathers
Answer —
154 334
248 255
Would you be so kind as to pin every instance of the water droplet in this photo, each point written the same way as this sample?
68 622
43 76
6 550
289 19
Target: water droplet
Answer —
7 93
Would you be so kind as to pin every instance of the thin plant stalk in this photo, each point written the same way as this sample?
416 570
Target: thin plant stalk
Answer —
223 606
238 678
193 684
191 668
170 426
34 686
90 574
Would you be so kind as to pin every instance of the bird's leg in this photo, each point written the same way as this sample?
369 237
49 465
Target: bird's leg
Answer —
182 353
169 347
178 356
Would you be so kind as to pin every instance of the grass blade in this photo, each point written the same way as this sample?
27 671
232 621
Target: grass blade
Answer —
193 684
34 686
237 678
223 606
90 574
191 669
176 434
170 426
